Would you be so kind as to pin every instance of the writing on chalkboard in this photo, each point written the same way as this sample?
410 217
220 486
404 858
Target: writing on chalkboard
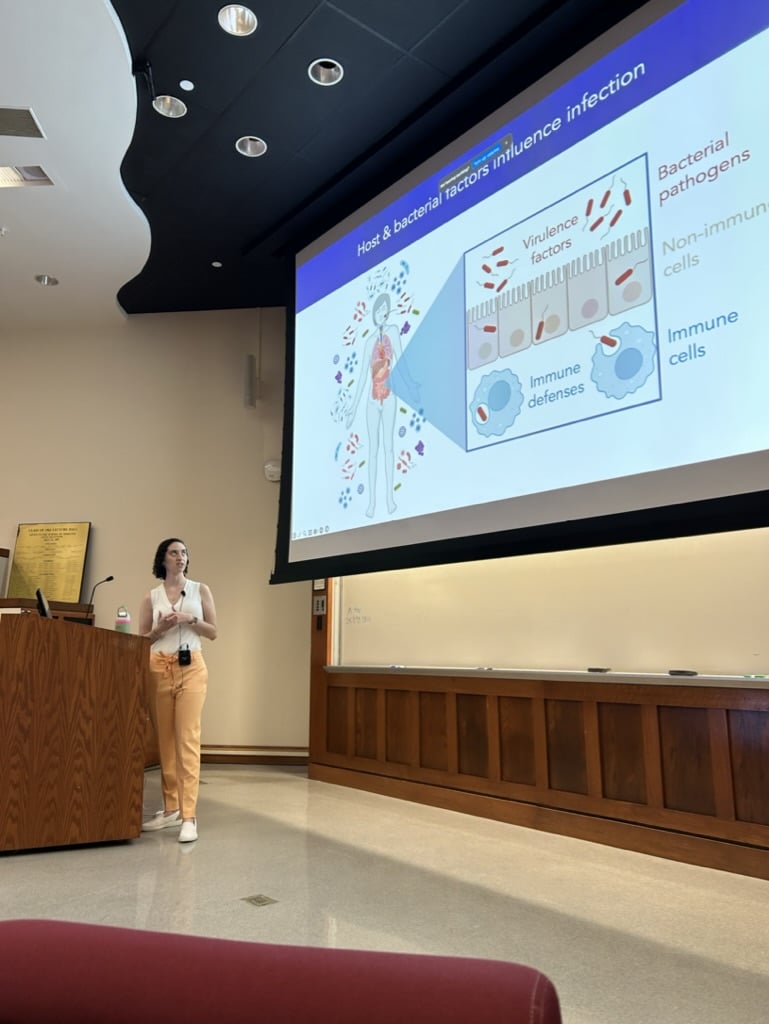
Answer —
354 616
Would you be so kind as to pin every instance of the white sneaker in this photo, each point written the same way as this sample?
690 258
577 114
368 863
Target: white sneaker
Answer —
161 820
189 832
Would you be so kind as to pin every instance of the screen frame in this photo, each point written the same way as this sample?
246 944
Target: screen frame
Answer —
721 513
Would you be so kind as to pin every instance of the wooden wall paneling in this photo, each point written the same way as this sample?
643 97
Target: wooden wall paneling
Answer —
350 719
399 727
494 769
337 725
749 749
652 757
566 755
452 733
540 736
631 757
433 731
366 731
595 809
318 732
473 734
414 726
621 745
516 740
380 717
687 765
723 789
691 849
592 749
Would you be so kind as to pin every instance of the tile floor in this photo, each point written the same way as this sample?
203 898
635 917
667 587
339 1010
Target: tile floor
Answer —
626 938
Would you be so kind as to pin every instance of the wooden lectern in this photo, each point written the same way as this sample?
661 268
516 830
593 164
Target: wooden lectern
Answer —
72 733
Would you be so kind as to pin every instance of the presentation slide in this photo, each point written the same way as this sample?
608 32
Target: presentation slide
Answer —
574 305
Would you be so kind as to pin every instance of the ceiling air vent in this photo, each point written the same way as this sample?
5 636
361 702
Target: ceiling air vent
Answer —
19 122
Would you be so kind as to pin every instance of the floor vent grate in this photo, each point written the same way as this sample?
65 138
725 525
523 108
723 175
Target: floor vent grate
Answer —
259 901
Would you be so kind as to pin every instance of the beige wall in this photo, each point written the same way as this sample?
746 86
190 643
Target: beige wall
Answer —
142 428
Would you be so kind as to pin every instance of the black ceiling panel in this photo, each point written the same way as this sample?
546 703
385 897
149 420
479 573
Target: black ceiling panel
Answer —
417 73
406 25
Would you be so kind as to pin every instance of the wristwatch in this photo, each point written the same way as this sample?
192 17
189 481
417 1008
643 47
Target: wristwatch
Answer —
195 620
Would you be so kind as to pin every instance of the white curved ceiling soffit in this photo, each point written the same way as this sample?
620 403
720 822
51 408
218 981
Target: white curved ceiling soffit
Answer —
69 63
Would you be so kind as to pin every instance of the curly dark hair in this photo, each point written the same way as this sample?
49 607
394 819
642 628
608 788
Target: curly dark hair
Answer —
158 569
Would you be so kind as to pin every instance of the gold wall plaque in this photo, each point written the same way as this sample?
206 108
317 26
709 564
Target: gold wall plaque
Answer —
50 556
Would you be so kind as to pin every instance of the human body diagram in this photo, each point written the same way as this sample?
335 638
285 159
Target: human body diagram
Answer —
380 354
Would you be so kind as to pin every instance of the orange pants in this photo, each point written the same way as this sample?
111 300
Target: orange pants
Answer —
179 695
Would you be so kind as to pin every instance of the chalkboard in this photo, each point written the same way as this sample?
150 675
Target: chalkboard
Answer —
698 603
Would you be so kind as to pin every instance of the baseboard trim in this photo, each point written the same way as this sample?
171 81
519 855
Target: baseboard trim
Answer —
737 858
214 754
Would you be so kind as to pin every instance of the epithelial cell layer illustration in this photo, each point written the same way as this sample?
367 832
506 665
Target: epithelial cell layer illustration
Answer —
565 299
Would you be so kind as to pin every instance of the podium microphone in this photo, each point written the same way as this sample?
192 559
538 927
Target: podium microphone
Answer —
107 579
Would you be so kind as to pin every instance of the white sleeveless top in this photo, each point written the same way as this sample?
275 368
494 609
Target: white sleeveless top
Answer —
178 636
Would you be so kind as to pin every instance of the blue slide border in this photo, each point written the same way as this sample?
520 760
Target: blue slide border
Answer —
710 28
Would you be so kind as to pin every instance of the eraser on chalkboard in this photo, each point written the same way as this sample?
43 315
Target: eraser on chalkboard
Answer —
681 672
595 668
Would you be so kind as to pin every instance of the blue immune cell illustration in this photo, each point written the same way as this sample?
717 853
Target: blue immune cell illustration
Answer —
623 361
496 403
351 362
345 497
417 419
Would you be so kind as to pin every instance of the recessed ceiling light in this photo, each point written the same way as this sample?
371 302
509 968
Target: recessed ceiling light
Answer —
187 85
325 71
237 20
46 280
217 264
169 106
251 145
